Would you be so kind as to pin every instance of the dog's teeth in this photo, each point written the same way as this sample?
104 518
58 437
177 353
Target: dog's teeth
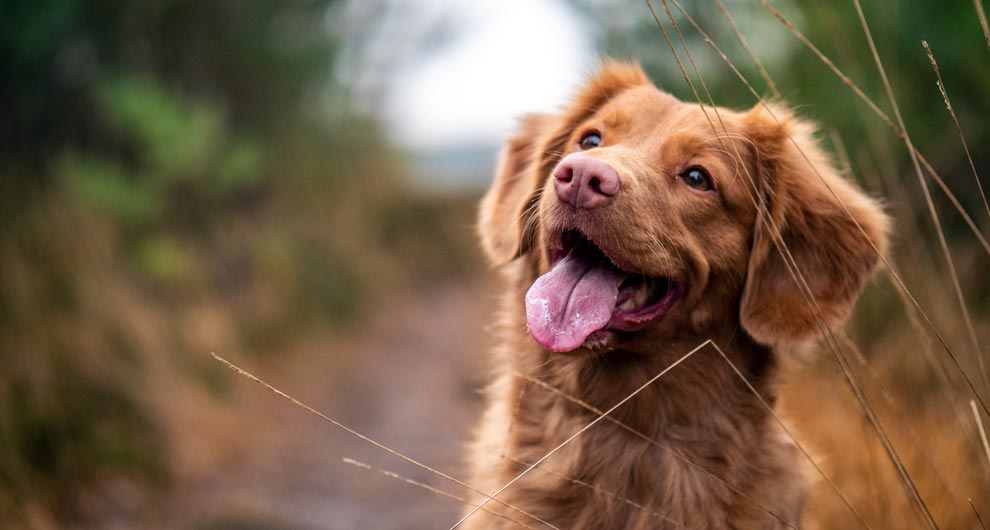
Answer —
637 298
641 295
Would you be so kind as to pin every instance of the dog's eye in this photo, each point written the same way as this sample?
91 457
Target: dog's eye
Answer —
697 179
590 141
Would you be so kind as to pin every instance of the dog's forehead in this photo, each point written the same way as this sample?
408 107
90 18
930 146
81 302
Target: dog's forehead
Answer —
643 104
649 110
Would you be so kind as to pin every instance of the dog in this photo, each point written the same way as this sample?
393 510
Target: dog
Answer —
629 229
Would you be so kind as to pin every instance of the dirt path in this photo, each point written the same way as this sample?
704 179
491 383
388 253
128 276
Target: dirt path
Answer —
409 380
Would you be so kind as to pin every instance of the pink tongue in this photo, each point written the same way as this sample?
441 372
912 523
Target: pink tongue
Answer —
573 300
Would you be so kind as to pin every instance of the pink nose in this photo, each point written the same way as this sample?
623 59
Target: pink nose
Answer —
585 182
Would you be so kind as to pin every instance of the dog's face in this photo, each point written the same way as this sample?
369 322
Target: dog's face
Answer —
645 191
648 217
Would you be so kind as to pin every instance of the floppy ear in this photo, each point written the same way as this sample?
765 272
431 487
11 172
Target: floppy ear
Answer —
505 219
505 213
804 211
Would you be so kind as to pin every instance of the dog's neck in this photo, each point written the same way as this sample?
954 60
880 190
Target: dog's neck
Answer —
699 386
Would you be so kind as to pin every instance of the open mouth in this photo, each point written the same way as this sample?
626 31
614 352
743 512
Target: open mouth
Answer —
585 294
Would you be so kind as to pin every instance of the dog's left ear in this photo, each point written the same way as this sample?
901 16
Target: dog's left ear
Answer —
804 197
504 216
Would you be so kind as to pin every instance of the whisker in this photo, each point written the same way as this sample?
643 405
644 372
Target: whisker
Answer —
661 253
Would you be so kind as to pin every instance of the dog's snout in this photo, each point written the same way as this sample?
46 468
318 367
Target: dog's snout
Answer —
585 182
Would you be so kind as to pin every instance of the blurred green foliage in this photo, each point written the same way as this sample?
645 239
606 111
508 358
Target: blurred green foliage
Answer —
162 158
60 440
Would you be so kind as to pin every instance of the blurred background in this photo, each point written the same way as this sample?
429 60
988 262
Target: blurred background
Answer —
291 184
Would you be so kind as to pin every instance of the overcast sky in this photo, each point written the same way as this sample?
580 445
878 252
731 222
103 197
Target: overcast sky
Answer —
494 62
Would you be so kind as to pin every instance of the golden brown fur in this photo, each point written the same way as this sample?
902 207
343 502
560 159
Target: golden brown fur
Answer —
703 419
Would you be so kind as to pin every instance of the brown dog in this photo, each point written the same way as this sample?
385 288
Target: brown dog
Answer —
630 232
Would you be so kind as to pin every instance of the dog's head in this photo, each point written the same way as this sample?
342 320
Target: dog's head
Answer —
646 216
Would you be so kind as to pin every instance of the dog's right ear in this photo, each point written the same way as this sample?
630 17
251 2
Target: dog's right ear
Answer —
506 218
818 242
